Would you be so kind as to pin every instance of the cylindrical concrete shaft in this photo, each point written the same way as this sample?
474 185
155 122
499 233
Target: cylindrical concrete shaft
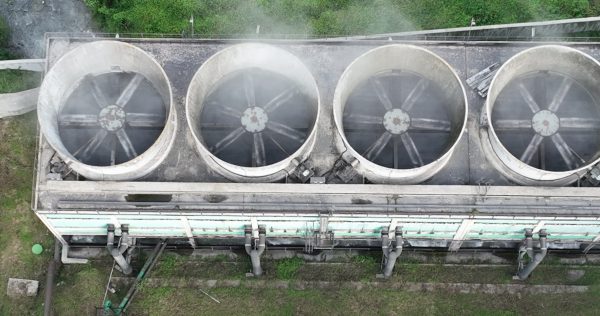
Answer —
410 59
93 59
232 60
577 68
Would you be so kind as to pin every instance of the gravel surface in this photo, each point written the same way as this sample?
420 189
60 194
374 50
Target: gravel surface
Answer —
29 20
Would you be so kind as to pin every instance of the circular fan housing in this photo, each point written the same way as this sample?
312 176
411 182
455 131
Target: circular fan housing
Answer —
252 109
544 117
400 111
106 108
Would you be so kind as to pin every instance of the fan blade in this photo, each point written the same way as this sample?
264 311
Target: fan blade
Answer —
531 148
286 131
396 153
126 144
278 144
423 124
78 120
376 148
579 124
145 120
414 95
411 148
560 95
113 150
363 119
228 140
258 152
512 125
249 91
533 106
98 95
382 94
229 111
129 90
565 151
280 99
91 146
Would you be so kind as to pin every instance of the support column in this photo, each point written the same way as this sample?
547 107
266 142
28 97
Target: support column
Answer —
255 248
117 253
534 258
390 256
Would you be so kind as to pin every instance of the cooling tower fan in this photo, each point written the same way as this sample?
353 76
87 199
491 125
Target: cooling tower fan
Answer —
110 118
548 120
106 109
544 116
255 118
252 109
397 120
400 110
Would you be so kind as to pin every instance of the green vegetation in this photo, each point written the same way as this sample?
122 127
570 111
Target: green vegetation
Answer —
13 80
4 36
323 17
288 268
19 228
367 301
161 299
18 80
80 288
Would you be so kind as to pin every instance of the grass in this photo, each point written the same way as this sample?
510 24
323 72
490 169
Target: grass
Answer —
19 228
237 301
369 301
288 268
80 288
18 80
323 17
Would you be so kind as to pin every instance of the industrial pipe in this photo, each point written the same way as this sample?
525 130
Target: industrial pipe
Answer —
256 253
53 267
115 252
535 258
390 256
124 238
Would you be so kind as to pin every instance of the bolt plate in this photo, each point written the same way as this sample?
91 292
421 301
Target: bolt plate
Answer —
254 119
396 121
112 118
545 123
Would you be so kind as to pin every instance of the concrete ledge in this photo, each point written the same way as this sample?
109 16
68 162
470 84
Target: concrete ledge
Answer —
465 288
18 103
24 64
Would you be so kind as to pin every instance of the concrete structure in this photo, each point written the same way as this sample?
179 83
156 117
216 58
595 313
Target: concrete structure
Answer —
555 120
21 287
324 203
109 111
255 119
397 120
18 103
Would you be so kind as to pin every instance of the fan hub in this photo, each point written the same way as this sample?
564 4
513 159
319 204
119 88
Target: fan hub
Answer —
254 119
545 123
112 118
396 121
